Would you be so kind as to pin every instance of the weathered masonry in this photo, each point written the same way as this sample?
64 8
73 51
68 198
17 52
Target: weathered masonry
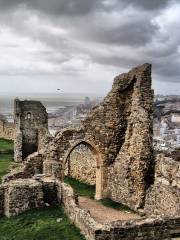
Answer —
31 124
7 130
118 132
81 164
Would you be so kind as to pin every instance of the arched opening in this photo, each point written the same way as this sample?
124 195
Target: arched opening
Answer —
29 115
83 162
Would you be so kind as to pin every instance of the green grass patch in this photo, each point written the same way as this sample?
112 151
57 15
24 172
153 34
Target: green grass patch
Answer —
39 225
5 161
6 156
6 146
86 190
82 189
115 205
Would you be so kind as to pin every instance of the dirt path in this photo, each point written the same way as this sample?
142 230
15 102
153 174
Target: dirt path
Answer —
104 214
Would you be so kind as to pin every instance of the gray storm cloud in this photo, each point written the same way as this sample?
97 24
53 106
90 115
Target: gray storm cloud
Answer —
80 7
92 39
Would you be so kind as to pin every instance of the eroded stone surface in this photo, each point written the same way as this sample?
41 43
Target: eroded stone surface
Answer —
22 195
6 129
81 165
31 124
119 133
163 198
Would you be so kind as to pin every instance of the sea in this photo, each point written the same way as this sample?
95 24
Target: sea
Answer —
52 101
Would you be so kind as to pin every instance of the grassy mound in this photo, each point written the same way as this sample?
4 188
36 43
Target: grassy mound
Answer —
44 224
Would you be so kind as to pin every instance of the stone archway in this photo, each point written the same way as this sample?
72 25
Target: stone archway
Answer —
99 165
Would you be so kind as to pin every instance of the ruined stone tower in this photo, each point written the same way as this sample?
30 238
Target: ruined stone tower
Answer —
118 132
31 123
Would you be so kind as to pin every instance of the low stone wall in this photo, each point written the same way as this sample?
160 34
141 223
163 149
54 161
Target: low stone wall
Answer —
6 130
31 166
80 217
164 196
81 165
146 229
22 195
143 229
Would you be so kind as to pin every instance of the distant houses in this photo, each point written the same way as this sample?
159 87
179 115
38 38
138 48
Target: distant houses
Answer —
167 131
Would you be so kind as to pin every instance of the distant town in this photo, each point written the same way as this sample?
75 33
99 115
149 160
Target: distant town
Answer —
70 115
166 119
166 122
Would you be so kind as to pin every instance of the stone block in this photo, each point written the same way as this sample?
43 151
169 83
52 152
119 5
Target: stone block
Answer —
22 195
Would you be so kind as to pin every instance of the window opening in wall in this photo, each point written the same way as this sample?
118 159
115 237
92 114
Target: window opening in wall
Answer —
28 115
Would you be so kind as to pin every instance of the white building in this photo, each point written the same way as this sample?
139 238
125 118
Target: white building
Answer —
175 117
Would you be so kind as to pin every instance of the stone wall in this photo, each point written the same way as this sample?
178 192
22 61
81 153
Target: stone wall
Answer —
163 198
119 132
133 170
32 165
81 165
6 130
31 125
145 229
80 217
142 229
56 153
22 195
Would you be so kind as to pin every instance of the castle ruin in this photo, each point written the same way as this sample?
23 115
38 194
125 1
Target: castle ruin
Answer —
31 124
118 132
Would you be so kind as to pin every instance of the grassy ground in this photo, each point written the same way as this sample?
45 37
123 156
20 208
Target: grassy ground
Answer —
5 161
6 146
6 156
83 189
39 225
115 205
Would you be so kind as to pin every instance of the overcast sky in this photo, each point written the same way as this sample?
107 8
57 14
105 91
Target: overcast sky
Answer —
81 45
